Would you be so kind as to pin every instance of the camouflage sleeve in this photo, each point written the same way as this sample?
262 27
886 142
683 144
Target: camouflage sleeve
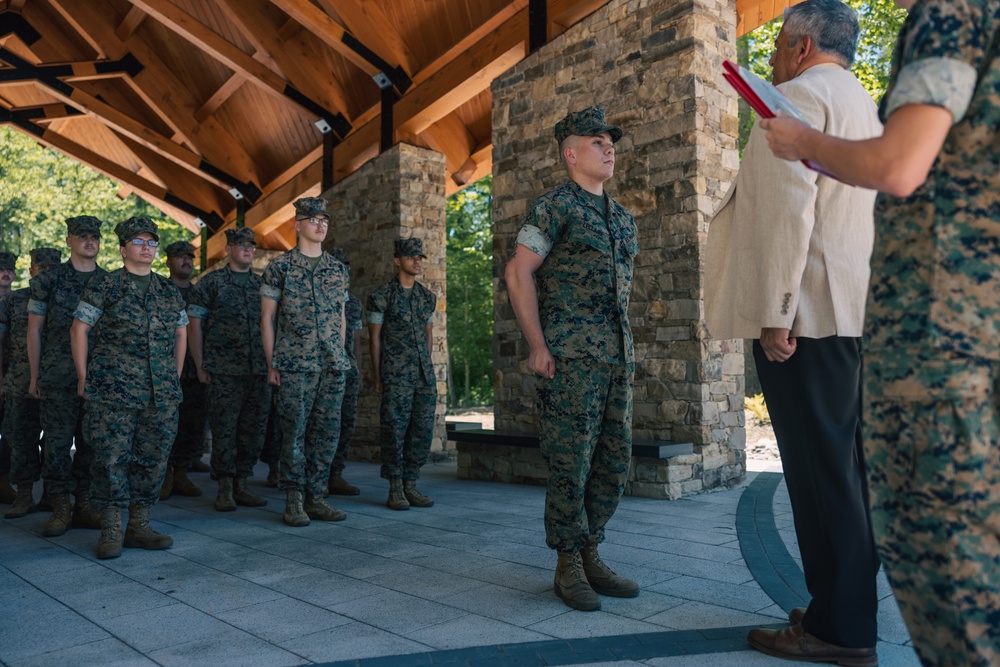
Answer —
5 314
434 299
941 55
39 289
272 282
376 307
539 231
91 305
182 319
200 301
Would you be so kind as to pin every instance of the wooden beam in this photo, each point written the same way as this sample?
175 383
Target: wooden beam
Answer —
219 97
368 22
162 89
450 137
479 164
130 23
751 14
292 56
316 21
564 14
176 179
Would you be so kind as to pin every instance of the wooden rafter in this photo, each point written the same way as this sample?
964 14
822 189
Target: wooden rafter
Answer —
368 22
332 33
130 23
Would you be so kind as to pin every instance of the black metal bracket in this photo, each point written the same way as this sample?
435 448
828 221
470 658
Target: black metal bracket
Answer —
538 24
334 121
327 162
397 75
12 22
387 137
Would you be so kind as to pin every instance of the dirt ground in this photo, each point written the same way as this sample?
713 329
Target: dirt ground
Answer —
760 438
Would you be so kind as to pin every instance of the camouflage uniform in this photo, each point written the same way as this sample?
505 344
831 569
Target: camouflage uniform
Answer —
132 387
309 353
409 386
349 408
932 352
55 295
192 416
585 410
238 396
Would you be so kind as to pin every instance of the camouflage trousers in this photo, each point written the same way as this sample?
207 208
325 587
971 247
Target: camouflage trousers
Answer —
131 448
585 435
406 416
932 424
4 442
308 409
348 418
61 415
238 406
191 421
23 432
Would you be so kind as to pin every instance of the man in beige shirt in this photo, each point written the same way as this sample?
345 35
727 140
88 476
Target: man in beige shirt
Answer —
787 266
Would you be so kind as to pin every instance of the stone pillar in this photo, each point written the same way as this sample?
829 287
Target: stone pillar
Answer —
400 193
655 67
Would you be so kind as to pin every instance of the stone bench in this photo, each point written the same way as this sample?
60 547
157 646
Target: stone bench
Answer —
659 468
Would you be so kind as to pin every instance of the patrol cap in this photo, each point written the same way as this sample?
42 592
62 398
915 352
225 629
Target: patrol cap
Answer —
409 248
311 207
132 227
587 123
340 255
83 224
240 235
8 261
178 248
46 256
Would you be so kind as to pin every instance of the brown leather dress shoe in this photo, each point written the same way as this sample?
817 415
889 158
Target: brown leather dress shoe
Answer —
794 643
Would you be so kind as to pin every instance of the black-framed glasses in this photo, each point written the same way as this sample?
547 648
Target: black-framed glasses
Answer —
141 242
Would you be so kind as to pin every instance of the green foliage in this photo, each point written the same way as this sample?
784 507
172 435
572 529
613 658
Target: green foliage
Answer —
880 23
758 408
470 294
40 188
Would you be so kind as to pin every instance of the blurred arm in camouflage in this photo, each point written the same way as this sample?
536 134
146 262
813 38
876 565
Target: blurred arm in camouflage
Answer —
180 347
196 340
520 277
375 347
268 316
35 325
79 335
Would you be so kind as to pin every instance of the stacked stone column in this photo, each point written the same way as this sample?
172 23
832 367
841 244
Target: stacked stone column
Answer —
655 67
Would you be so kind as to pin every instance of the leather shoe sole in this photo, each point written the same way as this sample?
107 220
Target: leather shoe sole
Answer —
794 643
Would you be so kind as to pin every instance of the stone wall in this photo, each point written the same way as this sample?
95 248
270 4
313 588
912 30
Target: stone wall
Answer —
399 193
655 67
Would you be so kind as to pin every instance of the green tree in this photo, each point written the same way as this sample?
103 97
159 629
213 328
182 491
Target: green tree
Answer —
40 188
880 23
470 295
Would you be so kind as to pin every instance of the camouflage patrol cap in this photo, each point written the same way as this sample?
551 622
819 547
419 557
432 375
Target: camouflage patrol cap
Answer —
409 248
311 207
8 261
83 224
587 123
240 235
132 227
178 248
46 256
340 255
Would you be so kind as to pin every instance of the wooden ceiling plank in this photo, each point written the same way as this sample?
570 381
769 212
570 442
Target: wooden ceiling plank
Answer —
368 22
301 71
316 21
130 23
164 91
177 179
219 97
567 13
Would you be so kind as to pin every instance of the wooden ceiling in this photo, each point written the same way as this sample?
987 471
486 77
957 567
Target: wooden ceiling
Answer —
213 108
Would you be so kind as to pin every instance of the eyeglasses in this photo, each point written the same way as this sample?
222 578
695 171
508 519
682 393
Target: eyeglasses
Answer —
318 222
141 242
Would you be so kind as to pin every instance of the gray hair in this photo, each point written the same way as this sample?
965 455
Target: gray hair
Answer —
831 24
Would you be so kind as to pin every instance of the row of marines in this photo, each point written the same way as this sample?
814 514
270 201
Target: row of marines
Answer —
111 362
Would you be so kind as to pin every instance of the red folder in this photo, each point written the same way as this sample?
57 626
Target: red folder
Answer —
765 99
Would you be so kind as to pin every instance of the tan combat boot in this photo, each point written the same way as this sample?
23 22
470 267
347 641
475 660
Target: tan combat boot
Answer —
167 489
184 486
224 499
414 497
109 544
319 509
84 515
244 496
7 494
140 535
338 486
397 499
62 516
294 514
24 503
602 578
571 584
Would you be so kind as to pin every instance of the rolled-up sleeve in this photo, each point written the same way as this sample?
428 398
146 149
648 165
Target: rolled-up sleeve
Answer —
88 313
